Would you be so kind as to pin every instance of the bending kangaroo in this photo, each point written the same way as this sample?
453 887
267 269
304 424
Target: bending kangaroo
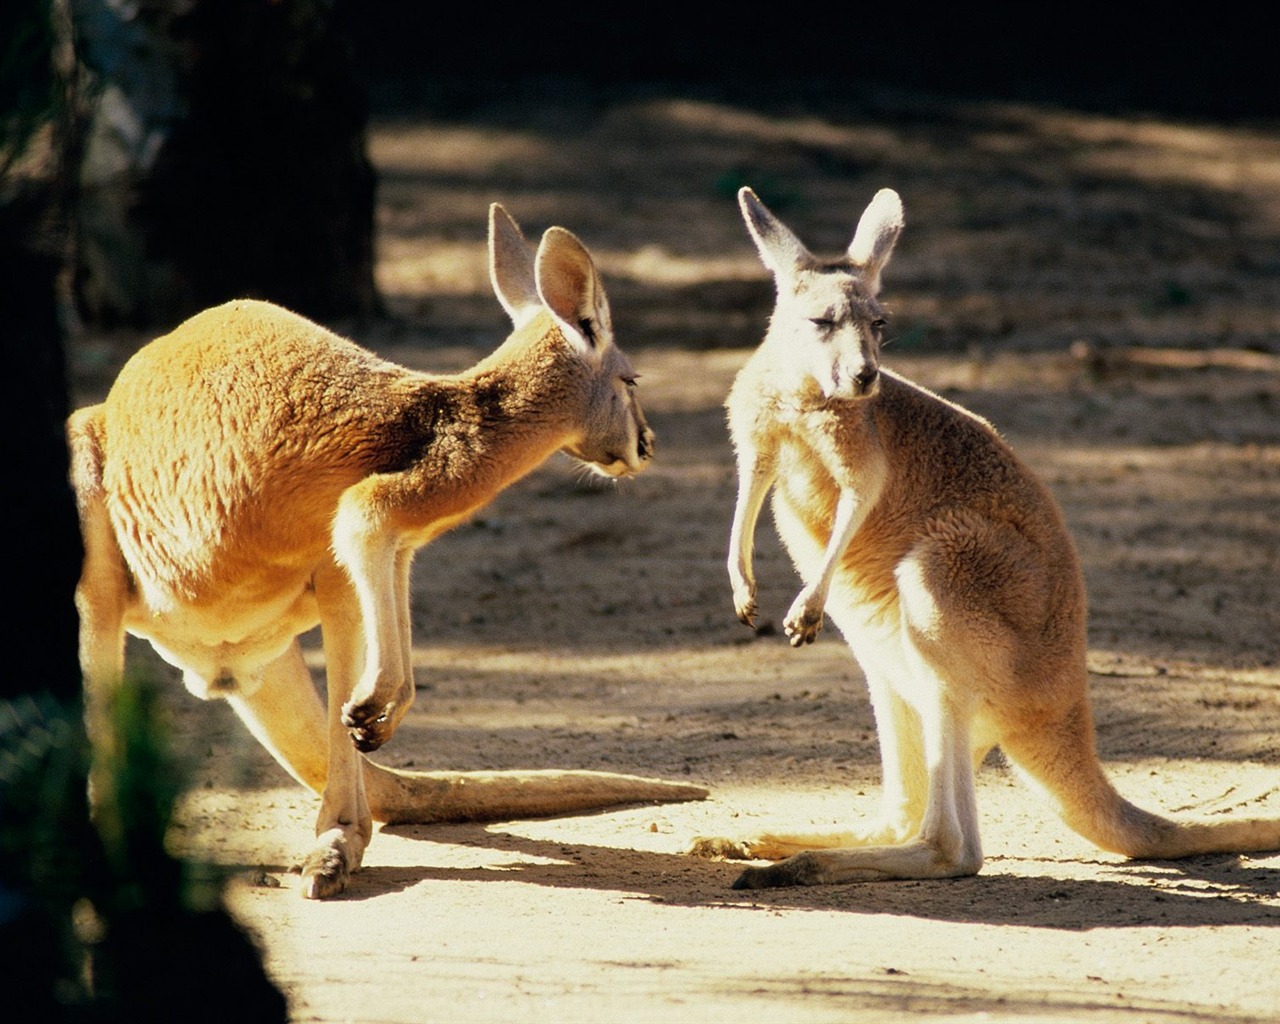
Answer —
946 565
252 474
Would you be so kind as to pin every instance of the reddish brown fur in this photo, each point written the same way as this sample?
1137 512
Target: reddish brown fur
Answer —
252 475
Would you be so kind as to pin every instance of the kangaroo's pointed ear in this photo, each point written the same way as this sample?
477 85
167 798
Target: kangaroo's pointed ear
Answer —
511 267
572 290
877 233
780 250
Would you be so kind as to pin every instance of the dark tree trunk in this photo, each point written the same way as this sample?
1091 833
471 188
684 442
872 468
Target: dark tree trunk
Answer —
91 931
42 558
225 158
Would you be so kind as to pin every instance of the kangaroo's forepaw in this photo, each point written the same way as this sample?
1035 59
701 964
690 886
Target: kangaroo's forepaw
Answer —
325 874
744 604
370 725
803 623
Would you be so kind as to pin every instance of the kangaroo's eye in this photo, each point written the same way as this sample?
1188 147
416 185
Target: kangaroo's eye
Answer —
823 323
629 381
879 323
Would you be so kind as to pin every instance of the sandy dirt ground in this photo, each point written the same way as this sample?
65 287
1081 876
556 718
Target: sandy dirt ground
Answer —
1107 290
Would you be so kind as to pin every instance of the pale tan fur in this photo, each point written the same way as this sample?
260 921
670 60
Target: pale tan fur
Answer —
252 475
947 567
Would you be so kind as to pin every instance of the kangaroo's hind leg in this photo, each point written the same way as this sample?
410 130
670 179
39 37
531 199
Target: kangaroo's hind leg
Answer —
973 603
946 842
344 824
102 592
285 714
929 671
903 773
904 784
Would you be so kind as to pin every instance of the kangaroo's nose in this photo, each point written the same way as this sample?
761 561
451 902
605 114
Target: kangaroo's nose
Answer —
865 377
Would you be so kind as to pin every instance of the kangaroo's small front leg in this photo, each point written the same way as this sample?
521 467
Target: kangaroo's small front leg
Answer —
804 619
378 568
754 481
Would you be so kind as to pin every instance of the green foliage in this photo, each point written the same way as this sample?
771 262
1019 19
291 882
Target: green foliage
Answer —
136 785
47 848
112 926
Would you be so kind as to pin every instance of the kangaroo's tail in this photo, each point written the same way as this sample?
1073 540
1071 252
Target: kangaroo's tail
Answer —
1061 759
288 718
404 797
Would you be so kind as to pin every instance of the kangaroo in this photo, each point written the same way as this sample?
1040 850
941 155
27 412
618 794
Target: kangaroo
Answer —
251 475
946 565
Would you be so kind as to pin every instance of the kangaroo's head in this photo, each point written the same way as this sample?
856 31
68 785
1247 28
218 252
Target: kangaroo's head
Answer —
609 433
827 325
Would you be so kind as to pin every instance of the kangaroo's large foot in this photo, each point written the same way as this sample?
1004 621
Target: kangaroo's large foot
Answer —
802 869
917 858
327 869
720 848
778 846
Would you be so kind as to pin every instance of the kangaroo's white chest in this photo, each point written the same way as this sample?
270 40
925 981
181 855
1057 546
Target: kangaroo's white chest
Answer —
804 500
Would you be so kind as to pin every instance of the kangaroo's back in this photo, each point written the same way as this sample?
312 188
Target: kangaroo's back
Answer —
252 384
229 439
949 469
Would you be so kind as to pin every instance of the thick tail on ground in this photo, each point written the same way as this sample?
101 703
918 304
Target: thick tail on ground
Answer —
401 797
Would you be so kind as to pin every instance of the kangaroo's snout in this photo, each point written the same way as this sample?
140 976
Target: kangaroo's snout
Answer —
866 379
626 459
839 381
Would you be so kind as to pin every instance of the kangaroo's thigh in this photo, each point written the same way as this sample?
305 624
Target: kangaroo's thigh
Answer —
990 610
285 714
878 649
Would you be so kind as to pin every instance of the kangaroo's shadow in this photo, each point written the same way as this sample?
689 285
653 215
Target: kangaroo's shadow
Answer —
1211 890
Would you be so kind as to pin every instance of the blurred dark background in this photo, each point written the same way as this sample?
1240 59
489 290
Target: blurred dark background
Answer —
219 148
1212 62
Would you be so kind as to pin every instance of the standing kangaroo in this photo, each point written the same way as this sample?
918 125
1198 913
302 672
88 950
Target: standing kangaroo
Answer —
944 562
252 475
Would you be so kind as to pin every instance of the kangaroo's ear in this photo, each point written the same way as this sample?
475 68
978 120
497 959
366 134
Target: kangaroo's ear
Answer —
877 233
572 290
780 250
511 267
